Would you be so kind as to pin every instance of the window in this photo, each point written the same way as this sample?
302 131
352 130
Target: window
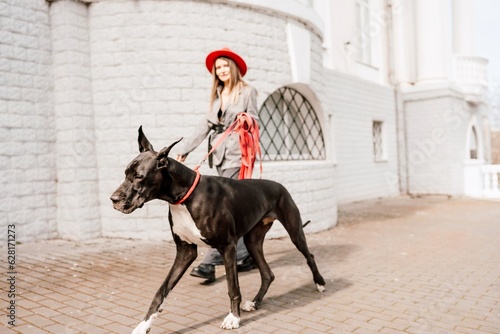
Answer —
363 36
378 141
473 144
290 129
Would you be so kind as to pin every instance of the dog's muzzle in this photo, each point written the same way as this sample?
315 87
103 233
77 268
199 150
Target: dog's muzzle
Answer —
118 203
123 205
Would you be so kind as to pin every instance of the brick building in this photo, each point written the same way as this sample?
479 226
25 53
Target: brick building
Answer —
392 92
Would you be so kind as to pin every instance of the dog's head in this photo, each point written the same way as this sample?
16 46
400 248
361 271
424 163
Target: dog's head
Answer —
143 177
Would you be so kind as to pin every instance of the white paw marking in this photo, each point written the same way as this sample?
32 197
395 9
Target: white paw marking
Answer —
230 322
320 288
145 326
248 306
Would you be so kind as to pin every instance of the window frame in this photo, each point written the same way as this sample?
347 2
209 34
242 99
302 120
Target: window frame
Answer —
379 142
290 128
364 38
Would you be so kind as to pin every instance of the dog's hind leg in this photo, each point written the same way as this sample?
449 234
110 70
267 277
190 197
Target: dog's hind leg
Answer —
289 216
254 241
186 254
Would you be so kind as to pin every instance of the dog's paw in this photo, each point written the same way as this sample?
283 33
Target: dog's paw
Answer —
320 288
142 328
145 326
248 306
230 322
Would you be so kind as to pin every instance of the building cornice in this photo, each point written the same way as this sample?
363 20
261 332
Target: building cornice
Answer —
292 9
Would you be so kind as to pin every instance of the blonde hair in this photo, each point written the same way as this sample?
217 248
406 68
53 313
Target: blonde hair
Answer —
236 83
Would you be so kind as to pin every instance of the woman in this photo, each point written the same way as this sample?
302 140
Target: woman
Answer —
230 96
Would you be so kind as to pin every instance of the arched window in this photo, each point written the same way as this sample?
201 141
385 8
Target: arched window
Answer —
290 129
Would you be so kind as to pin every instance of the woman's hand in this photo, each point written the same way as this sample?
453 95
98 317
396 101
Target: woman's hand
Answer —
181 158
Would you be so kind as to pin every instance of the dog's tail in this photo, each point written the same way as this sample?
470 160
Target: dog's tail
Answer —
306 223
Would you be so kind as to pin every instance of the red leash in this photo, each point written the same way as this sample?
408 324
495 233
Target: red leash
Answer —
248 131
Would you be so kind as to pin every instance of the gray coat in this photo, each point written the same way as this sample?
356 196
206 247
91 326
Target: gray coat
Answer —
228 154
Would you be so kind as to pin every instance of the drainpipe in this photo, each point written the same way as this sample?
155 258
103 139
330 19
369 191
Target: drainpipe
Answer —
403 179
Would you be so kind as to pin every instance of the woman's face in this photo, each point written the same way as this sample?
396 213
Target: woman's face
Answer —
222 70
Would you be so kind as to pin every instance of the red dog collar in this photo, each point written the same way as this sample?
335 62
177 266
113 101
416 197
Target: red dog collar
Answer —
190 191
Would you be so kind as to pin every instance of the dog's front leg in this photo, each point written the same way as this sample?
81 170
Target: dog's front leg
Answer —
186 254
232 320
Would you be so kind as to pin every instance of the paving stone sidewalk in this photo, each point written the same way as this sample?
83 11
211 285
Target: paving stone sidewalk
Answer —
401 265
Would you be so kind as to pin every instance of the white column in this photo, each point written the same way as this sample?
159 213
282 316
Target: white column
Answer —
430 31
463 27
299 46
78 210
400 10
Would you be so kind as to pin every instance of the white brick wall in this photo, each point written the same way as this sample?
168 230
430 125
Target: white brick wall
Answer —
27 134
437 125
143 65
148 69
313 192
424 119
354 104
350 105
121 64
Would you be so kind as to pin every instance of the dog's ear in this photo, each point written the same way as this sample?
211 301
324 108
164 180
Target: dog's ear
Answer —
144 144
163 155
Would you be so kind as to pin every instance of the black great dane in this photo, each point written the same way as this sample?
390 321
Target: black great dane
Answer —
215 212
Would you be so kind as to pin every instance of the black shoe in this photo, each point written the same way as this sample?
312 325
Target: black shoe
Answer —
205 271
246 264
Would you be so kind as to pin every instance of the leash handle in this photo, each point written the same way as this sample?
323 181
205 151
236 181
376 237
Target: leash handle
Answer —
249 144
